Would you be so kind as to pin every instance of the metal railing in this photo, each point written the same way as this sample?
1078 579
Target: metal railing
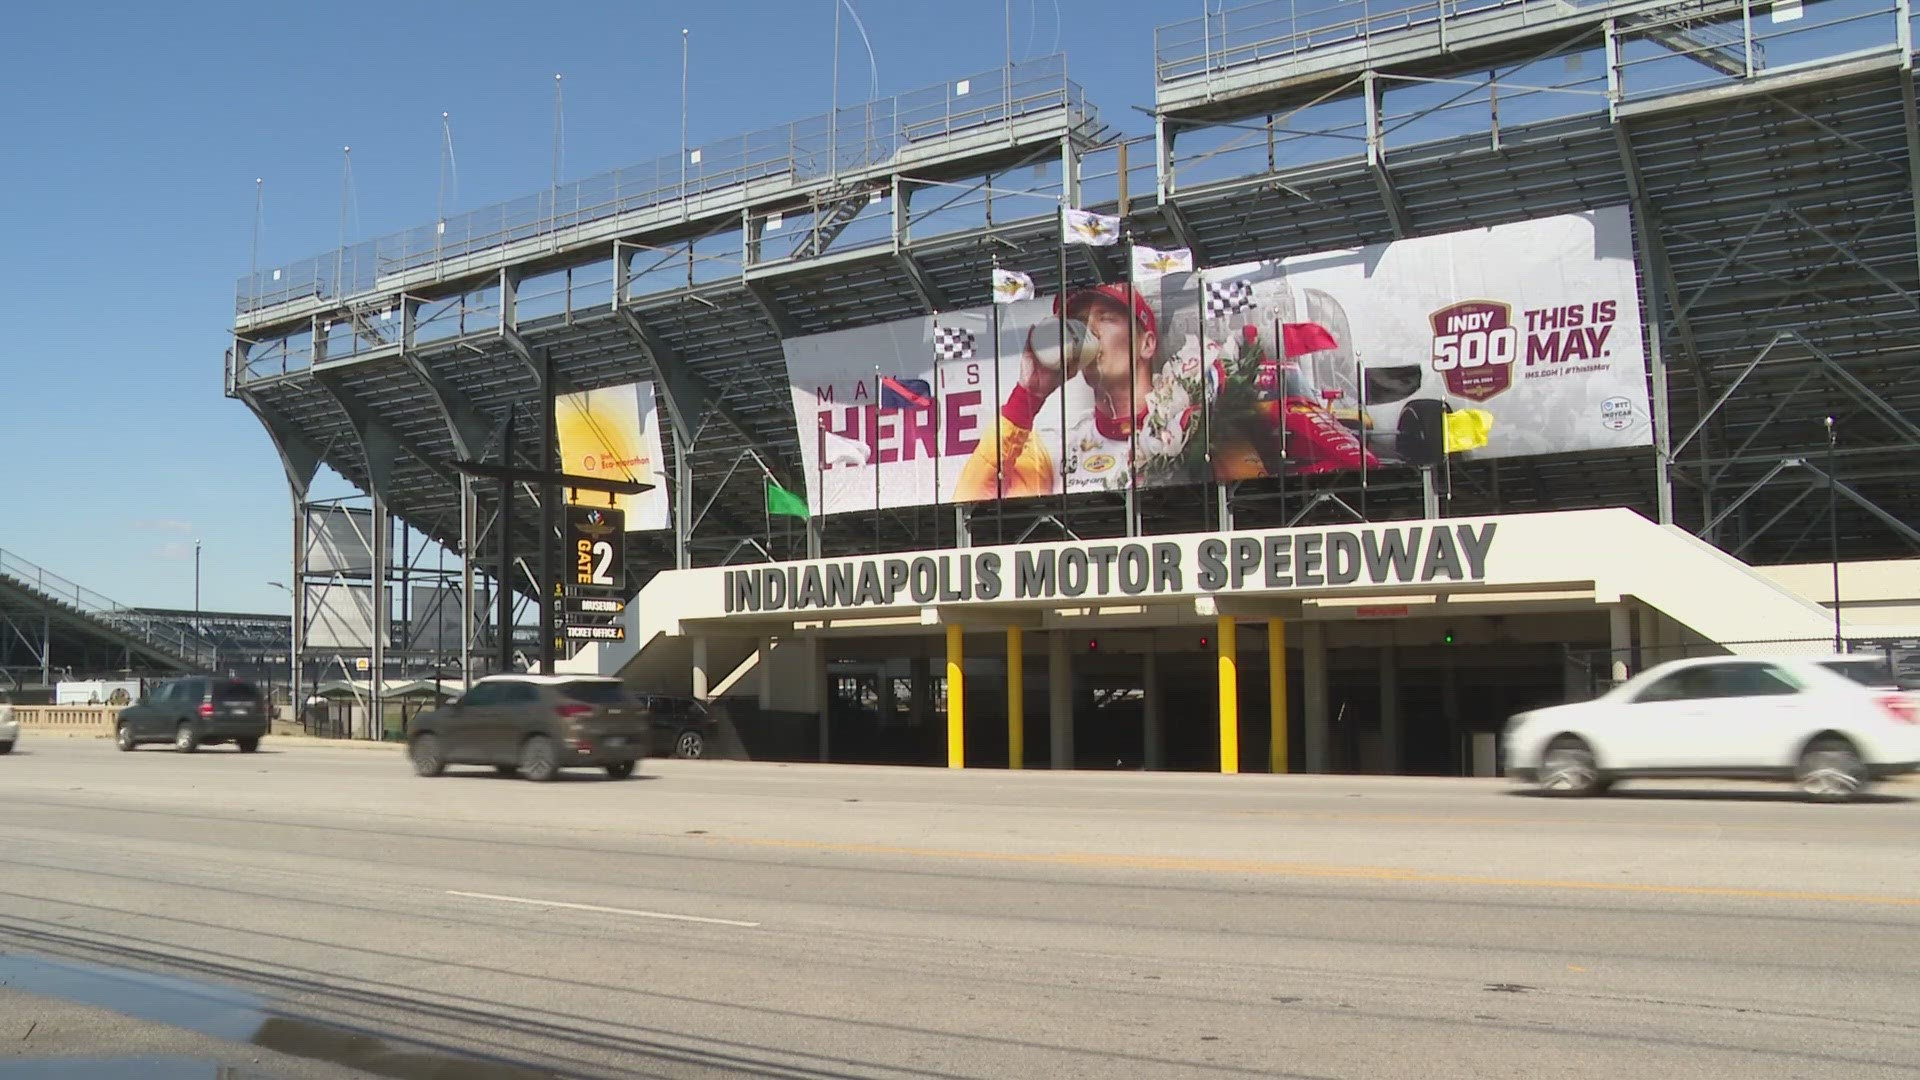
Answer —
135 624
1650 51
1271 29
1678 49
852 139
1593 670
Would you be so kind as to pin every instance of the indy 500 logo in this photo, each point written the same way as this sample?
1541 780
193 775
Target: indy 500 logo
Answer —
1474 346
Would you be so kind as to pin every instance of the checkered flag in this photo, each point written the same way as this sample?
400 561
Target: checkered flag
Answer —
1226 297
952 343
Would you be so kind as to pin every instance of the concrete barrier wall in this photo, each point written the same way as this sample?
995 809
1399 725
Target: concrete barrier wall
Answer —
70 719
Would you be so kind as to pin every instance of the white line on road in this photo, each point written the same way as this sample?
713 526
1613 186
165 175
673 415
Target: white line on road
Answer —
607 910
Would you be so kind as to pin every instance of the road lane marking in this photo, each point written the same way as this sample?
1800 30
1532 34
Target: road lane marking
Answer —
605 910
1311 870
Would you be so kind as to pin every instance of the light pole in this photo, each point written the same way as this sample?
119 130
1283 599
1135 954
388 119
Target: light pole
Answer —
196 588
1833 534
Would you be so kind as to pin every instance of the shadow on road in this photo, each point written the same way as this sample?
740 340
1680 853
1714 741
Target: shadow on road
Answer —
583 774
1732 795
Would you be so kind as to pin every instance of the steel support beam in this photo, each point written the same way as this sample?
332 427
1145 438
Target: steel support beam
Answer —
1183 230
1906 531
1377 158
300 458
1655 250
1911 112
1752 490
691 399
771 307
931 295
380 444
1774 520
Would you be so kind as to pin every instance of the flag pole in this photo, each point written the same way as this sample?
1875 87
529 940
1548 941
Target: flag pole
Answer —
1280 393
1133 406
1206 412
819 481
1360 395
999 465
936 435
1065 514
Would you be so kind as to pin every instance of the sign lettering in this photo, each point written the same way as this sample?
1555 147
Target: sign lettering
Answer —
1294 560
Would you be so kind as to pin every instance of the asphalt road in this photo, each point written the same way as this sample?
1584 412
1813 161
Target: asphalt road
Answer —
308 905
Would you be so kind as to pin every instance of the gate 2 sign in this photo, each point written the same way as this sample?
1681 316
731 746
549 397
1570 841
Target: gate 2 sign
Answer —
596 557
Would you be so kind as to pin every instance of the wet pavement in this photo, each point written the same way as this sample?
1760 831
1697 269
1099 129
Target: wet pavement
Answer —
243 1023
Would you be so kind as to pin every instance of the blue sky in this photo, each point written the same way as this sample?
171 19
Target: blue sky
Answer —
133 133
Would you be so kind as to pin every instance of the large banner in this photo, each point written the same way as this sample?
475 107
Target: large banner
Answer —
614 433
1506 341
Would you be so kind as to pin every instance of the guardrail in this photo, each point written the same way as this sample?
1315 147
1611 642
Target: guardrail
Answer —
1271 29
95 720
194 650
850 139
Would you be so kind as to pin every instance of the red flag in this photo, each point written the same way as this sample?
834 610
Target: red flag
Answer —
1306 337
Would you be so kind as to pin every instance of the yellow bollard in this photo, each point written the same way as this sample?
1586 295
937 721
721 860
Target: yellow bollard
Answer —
956 699
1229 697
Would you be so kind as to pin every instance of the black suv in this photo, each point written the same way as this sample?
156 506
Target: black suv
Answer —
682 726
192 713
534 725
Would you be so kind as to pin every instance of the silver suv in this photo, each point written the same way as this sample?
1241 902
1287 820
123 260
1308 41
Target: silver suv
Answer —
535 725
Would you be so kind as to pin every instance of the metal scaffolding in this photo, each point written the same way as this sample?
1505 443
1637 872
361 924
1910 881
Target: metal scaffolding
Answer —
1770 165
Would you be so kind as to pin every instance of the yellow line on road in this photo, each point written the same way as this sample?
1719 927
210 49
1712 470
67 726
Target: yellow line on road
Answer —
1191 864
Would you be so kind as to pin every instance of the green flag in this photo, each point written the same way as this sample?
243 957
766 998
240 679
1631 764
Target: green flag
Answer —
782 501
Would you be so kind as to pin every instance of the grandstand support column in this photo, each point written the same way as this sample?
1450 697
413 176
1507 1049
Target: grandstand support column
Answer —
1059 700
702 684
1154 733
469 510
1163 159
1391 730
1658 279
1619 640
1314 697
1912 114
297 632
301 462
382 618
1377 158
46 650
932 297
1069 173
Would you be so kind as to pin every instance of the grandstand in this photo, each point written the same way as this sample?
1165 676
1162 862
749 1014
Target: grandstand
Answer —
52 628
1769 159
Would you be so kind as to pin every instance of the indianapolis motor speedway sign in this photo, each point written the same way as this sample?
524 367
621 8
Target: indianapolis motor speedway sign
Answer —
1360 557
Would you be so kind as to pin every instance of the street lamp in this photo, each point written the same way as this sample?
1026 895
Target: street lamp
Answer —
196 587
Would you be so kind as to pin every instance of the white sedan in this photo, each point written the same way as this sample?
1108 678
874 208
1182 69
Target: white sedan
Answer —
1801 719
9 727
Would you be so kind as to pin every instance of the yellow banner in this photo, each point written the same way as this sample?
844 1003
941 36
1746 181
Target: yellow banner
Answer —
614 434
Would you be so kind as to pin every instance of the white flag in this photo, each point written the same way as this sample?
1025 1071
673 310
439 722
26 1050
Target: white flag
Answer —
1086 227
1010 286
1149 262
841 450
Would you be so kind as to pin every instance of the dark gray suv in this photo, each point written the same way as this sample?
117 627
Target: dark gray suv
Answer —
192 713
535 726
